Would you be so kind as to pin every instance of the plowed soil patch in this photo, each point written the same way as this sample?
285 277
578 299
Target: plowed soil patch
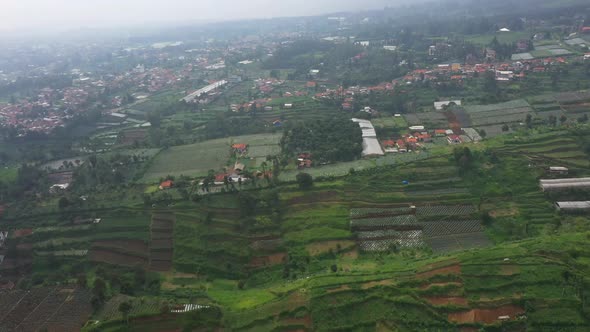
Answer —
132 246
324 196
452 269
160 265
305 321
468 329
269 260
162 244
447 300
440 284
115 258
354 253
486 316
339 289
508 270
372 284
325 246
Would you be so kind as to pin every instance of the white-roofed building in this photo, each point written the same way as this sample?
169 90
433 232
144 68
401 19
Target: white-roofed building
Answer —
371 146
573 207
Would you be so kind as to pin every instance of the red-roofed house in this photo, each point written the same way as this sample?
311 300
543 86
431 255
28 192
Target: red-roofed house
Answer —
401 146
388 143
454 139
166 184
586 30
440 132
241 147
219 179
426 138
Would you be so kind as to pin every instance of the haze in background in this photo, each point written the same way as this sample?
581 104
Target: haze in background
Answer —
71 14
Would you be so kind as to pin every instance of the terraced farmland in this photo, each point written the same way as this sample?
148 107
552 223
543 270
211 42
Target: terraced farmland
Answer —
55 309
508 112
379 229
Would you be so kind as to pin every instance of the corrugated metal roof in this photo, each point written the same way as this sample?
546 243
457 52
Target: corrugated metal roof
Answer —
371 147
556 184
568 180
574 205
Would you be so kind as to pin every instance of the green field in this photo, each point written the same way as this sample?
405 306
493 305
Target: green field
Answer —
503 37
197 159
8 174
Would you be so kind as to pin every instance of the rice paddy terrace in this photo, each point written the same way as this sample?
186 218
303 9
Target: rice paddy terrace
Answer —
399 247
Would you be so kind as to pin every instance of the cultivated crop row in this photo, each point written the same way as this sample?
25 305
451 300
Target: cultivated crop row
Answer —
361 212
389 233
444 210
408 219
441 228
519 103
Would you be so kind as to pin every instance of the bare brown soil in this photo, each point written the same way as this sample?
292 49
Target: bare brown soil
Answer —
268 260
322 247
486 316
131 246
339 289
371 284
452 269
317 197
442 300
440 284
116 258
509 269
305 321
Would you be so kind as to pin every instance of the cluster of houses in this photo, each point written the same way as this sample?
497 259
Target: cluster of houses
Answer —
416 140
304 160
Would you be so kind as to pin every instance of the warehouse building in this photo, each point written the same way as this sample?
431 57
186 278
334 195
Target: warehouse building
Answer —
573 207
565 184
371 146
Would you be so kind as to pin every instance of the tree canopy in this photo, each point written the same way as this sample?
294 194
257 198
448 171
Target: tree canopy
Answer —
337 139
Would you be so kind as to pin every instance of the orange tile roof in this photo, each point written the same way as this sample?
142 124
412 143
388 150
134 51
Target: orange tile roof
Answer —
166 184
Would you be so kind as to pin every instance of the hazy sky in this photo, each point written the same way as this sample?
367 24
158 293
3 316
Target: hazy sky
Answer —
58 14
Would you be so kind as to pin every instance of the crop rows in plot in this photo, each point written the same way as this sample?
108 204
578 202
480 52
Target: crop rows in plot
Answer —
21 309
519 103
572 97
441 228
73 313
500 116
363 212
407 219
500 119
161 250
431 118
44 311
444 210
389 233
434 192
388 240
55 309
455 242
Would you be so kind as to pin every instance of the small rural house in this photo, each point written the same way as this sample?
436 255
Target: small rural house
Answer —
240 147
239 167
454 139
166 185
